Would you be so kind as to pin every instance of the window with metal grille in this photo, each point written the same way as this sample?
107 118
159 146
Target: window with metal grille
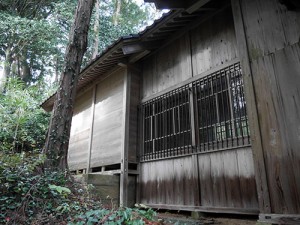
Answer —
214 106
167 125
221 110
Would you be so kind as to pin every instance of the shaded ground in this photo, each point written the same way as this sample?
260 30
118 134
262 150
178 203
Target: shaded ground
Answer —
186 219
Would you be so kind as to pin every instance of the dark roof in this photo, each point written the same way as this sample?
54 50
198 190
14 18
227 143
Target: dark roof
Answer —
162 31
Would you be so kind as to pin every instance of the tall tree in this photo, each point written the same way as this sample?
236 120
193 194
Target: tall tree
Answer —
32 37
56 146
96 29
117 11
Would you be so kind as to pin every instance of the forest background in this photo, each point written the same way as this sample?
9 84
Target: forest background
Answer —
34 35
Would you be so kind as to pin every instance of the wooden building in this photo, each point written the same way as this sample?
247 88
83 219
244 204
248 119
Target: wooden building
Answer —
165 110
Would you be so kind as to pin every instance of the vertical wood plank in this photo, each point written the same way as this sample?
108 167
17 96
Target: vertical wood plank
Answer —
80 131
206 182
107 134
232 178
257 149
213 43
217 173
125 140
247 178
91 129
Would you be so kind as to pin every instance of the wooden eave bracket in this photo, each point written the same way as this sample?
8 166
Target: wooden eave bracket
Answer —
139 47
139 50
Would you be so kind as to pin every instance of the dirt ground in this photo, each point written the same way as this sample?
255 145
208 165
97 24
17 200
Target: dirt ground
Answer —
185 218
226 221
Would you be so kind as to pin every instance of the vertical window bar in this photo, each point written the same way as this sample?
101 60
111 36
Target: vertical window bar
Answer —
220 93
178 141
244 104
242 113
161 140
165 105
169 111
238 117
210 112
237 105
199 100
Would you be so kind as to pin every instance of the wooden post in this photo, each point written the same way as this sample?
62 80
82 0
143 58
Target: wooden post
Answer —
91 129
257 148
125 140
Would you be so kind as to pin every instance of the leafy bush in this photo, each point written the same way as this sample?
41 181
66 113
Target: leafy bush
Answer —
25 188
115 217
30 195
23 122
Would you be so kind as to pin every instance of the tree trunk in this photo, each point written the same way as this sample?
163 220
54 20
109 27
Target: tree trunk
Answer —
56 146
56 63
6 70
24 72
96 29
117 12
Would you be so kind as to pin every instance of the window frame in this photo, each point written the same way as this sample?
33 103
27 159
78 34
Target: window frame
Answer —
226 101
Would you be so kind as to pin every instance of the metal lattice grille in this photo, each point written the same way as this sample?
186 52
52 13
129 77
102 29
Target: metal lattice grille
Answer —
221 110
167 129
219 117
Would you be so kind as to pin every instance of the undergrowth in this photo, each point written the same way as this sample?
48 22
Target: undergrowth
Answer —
32 195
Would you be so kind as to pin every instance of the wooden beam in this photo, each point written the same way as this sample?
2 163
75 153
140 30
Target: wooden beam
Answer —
133 48
241 211
91 129
140 46
256 139
195 6
134 58
194 78
125 140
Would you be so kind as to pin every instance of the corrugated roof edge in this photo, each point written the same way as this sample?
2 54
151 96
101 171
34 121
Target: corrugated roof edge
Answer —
130 37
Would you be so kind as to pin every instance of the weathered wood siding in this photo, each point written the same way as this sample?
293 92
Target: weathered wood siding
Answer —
227 179
215 181
272 34
133 114
168 67
169 182
107 133
80 131
207 46
209 181
213 43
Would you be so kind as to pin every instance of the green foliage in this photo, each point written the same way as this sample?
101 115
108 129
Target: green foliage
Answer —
119 216
34 34
23 122
132 19
28 38
59 189
25 188
30 195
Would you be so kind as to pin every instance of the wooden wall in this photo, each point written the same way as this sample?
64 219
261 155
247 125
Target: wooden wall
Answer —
107 132
80 132
213 43
167 67
217 181
168 182
207 46
222 181
272 40
133 114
